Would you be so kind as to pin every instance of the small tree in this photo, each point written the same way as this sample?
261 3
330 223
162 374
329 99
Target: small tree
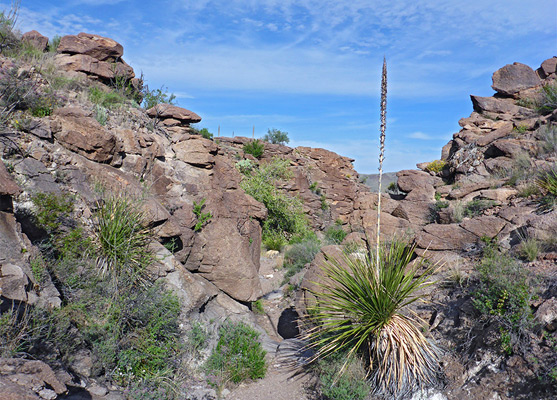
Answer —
276 137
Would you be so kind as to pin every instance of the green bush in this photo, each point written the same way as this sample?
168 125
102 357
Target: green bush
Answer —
255 148
504 293
285 214
8 19
338 384
359 309
238 355
547 136
51 209
335 234
157 96
547 183
548 101
245 166
101 114
122 237
477 207
273 240
529 248
204 132
202 217
276 137
300 254
105 99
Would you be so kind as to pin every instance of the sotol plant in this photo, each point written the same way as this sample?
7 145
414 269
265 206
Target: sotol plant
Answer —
360 309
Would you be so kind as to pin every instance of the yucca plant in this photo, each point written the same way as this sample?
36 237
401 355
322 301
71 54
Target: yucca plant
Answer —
360 310
547 182
122 237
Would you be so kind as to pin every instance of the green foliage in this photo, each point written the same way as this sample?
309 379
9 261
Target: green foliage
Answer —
238 355
8 39
436 166
547 183
101 114
197 337
324 203
477 207
255 148
157 96
276 137
122 238
314 187
531 189
337 384
54 43
300 254
112 99
273 240
204 132
202 218
529 248
257 307
335 234
547 137
359 309
245 166
520 129
286 217
548 101
504 293
51 209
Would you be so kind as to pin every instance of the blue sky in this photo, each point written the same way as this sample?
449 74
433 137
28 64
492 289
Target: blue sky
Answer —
312 67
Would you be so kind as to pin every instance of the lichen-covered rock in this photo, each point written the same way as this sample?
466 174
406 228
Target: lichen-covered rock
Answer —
513 78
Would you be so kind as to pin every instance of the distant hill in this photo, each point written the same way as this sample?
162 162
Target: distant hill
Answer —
372 180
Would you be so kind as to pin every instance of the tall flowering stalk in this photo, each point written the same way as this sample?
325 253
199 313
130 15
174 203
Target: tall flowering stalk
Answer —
381 151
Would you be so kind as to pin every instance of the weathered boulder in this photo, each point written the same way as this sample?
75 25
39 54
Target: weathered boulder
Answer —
513 78
196 151
173 112
8 189
98 47
30 374
13 283
91 66
547 314
82 133
484 226
548 68
444 237
498 106
409 180
496 134
34 38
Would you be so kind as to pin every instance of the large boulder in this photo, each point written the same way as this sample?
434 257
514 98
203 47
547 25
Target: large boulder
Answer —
98 47
169 111
548 68
513 78
498 106
37 40
199 152
445 237
36 380
8 189
91 66
80 132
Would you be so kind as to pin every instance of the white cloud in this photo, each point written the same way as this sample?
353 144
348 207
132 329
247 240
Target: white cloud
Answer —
420 136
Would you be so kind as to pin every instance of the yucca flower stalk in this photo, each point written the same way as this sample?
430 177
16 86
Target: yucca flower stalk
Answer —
381 151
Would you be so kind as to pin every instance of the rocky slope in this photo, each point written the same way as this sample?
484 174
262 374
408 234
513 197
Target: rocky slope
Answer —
155 157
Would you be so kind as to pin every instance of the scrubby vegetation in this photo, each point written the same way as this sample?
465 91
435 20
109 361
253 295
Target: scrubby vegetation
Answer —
286 220
276 136
238 356
255 148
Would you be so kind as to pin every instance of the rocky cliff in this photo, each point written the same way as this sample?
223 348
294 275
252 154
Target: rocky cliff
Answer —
476 194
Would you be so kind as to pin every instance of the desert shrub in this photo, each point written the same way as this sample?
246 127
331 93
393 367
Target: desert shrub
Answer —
360 309
157 96
197 337
337 384
8 38
51 209
547 136
245 166
18 91
504 293
204 132
548 101
477 207
257 307
54 43
273 240
111 99
436 166
238 355
276 137
202 217
101 114
335 234
255 148
531 189
300 254
435 208
122 236
547 183
520 170
529 248
285 213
